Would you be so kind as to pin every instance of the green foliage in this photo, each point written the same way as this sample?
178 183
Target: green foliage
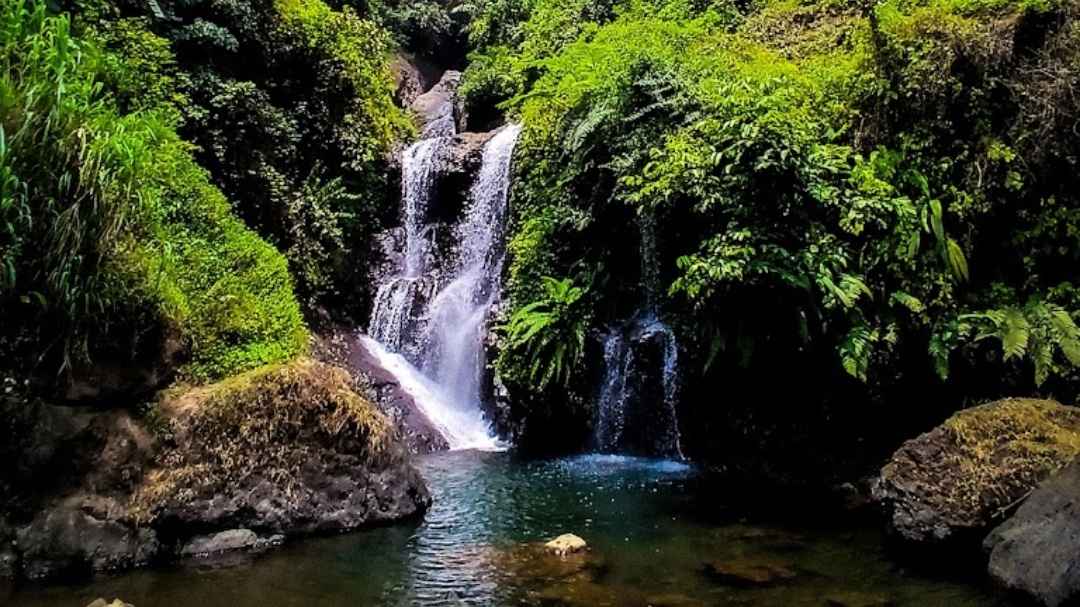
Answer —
551 331
864 173
1037 331
112 235
290 105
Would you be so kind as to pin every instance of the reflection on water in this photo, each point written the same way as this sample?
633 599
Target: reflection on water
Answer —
649 523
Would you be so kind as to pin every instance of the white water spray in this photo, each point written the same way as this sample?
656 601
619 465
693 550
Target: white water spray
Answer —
443 330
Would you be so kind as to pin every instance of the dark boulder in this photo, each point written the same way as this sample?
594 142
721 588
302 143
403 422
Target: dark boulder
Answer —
952 484
82 535
1037 552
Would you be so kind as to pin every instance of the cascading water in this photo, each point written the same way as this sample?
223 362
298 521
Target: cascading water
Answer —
627 417
442 329
393 316
458 314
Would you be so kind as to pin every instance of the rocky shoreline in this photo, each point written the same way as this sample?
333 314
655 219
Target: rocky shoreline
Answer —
242 465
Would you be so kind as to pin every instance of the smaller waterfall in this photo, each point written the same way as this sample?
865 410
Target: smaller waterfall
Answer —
632 415
396 300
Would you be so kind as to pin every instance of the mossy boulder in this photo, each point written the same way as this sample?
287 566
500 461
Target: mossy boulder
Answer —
955 482
283 449
237 465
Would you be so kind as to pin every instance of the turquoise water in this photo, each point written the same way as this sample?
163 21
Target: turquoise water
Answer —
651 525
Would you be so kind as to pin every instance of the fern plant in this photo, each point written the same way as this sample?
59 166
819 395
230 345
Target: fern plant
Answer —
1036 331
551 331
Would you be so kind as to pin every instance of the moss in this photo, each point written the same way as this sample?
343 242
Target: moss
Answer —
262 424
1007 447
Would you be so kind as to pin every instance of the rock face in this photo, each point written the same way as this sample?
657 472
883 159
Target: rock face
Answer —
412 76
342 347
283 450
953 483
1037 551
439 109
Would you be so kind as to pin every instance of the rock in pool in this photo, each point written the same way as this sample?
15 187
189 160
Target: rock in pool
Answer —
567 543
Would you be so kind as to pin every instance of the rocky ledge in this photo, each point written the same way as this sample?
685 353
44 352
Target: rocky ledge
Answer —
240 465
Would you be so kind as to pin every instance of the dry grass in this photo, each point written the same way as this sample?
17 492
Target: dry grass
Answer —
1006 448
266 422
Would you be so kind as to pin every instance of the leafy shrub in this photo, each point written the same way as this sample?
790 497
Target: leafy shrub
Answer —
856 181
112 234
551 332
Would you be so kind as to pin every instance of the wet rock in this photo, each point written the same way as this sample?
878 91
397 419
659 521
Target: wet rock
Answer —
78 536
228 541
438 110
343 347
749 573
857 599
954 482
565 544
412 76
1037 552
466 153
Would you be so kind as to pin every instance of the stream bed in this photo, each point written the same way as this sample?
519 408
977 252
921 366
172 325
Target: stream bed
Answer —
652 525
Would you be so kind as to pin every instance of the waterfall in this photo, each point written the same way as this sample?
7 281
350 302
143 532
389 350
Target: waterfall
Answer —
432 336
631 415
394 312
458 315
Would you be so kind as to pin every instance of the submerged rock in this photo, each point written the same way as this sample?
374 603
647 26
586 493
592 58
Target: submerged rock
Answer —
104 603
567 543
1037 551
857 599
228 541
749 573
955 481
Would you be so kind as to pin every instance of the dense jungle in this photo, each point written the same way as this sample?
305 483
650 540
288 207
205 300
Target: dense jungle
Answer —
539 302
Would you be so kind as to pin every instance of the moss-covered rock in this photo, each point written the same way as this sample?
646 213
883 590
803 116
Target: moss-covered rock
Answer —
283 449
957 480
